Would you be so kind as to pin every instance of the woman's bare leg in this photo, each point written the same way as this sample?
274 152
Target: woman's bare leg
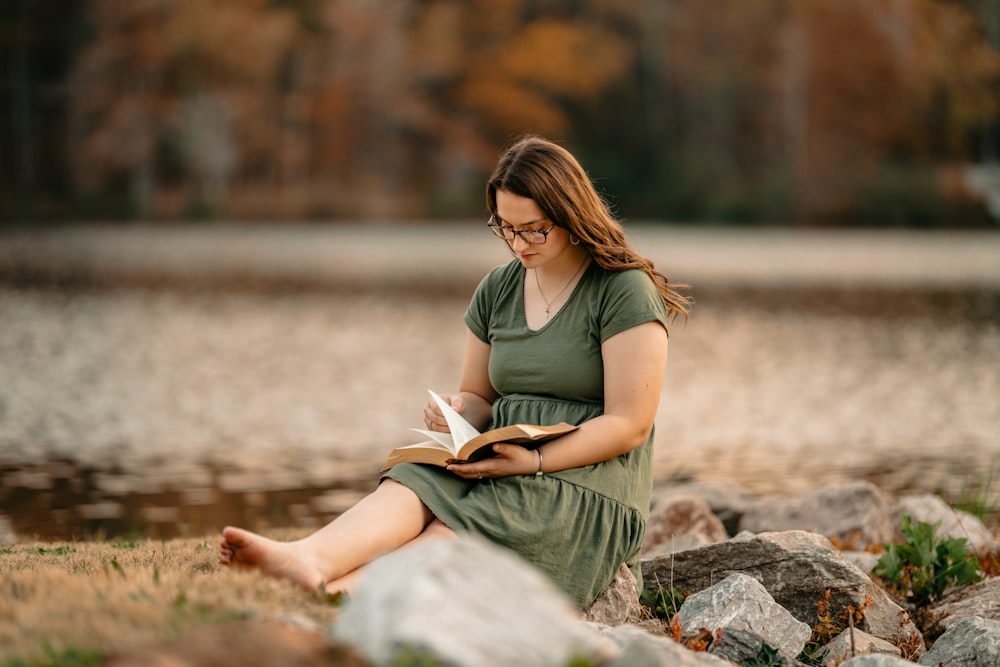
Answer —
435 531
384 520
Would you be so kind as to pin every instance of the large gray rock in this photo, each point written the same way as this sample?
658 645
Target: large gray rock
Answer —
727 500
855 515
740 602
952 522
745 648
982 600
854 642
877 661
618 603
970 642
637 648
680 522
462 603
796 568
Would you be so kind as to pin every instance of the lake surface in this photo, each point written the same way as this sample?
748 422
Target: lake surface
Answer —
163 394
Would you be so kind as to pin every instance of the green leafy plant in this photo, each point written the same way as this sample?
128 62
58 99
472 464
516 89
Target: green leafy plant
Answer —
767 656
662 603
923 566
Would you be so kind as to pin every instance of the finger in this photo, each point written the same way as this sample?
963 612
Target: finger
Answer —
431 417
457 402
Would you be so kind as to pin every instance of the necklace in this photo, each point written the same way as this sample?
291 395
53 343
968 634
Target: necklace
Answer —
548 304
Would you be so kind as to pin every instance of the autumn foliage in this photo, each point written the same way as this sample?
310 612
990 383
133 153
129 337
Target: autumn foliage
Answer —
806 111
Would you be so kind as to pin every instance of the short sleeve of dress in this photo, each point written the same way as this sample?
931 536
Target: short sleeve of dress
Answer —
479 314
630 299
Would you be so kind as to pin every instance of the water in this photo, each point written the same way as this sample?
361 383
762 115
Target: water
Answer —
164 407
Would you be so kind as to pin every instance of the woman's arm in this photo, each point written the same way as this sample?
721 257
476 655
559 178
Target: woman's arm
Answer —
635 362
475 396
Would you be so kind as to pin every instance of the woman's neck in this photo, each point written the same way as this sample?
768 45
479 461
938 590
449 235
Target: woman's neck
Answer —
564 267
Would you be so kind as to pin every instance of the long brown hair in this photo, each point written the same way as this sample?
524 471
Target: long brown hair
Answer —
543 171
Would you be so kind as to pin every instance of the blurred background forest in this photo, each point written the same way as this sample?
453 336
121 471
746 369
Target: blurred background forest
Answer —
798 112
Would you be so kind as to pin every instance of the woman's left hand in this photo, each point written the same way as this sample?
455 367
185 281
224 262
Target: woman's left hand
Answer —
509 460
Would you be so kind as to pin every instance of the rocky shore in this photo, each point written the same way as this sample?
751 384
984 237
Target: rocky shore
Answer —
793 587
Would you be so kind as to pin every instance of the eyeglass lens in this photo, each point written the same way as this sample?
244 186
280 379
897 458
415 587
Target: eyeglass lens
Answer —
506 232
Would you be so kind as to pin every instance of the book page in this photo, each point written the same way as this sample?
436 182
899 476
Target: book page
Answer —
461 430
443 439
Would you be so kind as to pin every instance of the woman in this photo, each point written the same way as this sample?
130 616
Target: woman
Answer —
573 329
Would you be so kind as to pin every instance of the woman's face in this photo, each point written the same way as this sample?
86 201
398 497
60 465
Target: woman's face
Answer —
523 214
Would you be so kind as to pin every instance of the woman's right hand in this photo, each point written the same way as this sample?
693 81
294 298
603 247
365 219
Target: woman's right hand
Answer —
433 418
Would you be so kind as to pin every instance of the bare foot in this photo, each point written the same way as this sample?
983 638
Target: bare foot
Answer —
280 560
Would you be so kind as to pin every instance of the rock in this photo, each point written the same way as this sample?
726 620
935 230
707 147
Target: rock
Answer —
459 602
854 515
680 522
796 568
737 646
981 599
953 522
740 602
727 500
637 648
863 560
854 642
744 648
677 543
618 603
877 661
970 642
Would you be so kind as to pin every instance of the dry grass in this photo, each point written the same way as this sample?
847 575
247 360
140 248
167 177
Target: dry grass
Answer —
79 603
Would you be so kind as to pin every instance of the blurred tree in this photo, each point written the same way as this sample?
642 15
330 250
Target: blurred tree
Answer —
37 42
785 110
352 109
170 94
780 110
441 85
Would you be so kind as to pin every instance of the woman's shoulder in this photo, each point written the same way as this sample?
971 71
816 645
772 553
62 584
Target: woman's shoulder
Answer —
626 298
502 274
629 280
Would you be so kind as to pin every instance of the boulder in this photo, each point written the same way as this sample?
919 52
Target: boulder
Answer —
854 515
740 602
727 500
462 603
797 569
853 642
970 642
681 522
877 661
952 522
863 560
618 603
981 599
638 648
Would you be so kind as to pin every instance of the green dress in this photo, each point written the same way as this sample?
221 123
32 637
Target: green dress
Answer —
576 525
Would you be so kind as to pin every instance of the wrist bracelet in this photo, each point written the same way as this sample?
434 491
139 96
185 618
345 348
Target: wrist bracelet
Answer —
539 473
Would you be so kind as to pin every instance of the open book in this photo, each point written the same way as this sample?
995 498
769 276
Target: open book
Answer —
465 444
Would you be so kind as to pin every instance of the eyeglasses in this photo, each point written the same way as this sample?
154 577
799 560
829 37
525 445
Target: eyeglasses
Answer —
530 236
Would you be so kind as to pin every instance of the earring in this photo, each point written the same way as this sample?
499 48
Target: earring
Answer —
574 240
